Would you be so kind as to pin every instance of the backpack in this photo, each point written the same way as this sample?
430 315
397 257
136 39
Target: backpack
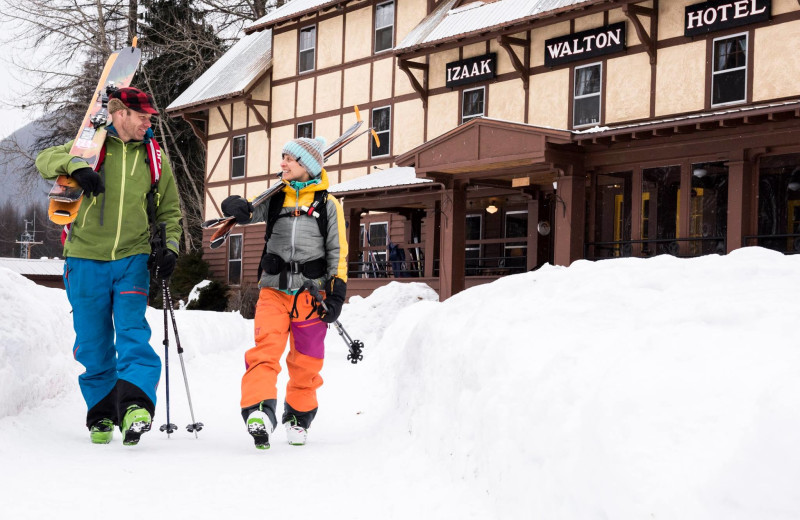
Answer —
273 214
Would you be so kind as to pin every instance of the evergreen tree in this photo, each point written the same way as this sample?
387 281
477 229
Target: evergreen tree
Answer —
178 46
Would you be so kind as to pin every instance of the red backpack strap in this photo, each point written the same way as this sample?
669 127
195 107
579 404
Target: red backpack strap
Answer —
154 161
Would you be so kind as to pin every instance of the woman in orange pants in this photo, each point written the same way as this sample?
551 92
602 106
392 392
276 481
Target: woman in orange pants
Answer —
305 243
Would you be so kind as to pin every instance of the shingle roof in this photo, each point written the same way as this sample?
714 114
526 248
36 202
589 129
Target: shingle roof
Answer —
235 72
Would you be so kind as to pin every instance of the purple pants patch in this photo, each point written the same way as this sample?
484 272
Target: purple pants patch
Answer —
309 337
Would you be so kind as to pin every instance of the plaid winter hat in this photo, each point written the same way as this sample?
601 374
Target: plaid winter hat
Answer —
308 153
135 99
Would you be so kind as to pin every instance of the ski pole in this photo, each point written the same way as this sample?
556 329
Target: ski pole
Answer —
354 346
168 427
195 426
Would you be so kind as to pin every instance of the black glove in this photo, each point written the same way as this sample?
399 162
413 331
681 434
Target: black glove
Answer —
335 292
165 260
238 208
91 181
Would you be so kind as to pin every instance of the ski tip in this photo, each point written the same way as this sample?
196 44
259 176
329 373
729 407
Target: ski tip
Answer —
375 136
135 41
217 242
358 114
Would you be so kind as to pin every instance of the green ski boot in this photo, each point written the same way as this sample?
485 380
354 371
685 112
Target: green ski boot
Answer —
102 431
259 426
136 421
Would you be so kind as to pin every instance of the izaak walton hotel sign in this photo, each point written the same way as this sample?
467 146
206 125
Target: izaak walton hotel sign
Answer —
471 70
720 14
585 44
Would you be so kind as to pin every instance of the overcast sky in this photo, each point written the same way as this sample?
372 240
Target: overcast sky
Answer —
13 87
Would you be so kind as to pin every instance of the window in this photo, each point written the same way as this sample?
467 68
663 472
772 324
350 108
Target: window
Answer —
586 104
515 255
376 239
381 122
235 260
612 215
238 155
729 75
472 103
308 44
473 252
384 26
305 130
661 188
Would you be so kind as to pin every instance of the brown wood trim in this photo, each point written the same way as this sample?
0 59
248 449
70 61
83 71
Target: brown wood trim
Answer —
219 157
632 12
751 42
196 130
709 68
421 90
228 125
505 42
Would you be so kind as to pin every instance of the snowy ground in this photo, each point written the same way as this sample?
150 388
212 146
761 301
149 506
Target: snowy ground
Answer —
623 389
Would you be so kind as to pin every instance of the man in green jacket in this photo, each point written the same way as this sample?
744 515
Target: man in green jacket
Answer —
106 268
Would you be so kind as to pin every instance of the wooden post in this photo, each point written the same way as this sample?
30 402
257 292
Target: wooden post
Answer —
452 261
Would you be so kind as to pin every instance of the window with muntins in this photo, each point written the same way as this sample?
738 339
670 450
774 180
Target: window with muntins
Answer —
235 259
382 123
729 73
305 130
472 103
586 103
308 44
384 26
238 156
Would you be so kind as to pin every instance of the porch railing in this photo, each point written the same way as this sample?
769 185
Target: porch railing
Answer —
786 243
692 246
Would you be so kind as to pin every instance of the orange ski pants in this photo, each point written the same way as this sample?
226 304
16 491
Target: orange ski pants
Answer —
273 326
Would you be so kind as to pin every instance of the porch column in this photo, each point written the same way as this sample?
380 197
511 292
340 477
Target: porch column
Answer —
431 230
570 202
453 229
740 203
533 234
354 240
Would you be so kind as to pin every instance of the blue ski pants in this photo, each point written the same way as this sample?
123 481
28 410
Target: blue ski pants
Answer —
109 299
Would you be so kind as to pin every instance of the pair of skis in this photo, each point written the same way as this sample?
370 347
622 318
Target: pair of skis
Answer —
66 195
226 224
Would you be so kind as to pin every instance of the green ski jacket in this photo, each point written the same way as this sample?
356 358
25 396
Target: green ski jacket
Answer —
114 224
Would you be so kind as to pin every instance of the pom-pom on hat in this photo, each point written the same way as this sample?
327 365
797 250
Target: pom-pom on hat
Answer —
308 153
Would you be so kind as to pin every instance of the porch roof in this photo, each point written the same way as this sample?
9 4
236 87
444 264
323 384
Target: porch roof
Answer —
388 178
493 147
701 121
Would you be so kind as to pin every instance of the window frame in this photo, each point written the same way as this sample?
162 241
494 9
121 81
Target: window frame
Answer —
381 258
297 130
598 95
243 157
240 260
388 133
312 49
375 28
463 104
745 68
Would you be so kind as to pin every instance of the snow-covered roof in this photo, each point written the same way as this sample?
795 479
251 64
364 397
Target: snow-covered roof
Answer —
682 120
391 177
235 72
41 267
445 23
288 10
